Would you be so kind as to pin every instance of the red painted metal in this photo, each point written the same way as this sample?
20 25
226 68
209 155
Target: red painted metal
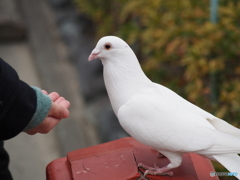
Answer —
117 160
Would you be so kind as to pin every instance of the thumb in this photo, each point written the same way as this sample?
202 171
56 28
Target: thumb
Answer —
58 111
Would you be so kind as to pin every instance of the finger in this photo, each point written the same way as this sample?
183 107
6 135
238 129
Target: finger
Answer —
54 96
58 111
44 92
60 99
65 103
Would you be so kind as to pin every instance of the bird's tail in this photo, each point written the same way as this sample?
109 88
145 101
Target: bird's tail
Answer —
230 162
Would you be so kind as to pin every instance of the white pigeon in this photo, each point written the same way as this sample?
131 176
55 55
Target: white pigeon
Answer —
158 117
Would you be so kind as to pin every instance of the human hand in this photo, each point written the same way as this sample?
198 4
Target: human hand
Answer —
58 111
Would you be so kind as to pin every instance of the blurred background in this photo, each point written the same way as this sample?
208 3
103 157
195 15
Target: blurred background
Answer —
192 47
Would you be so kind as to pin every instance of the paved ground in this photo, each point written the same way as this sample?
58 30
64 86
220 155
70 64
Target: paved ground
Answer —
42 61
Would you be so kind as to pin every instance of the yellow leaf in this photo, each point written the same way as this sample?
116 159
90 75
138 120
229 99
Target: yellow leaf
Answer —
171 47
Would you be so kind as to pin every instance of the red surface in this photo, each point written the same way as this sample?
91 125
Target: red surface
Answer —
59 169
202 165
117 160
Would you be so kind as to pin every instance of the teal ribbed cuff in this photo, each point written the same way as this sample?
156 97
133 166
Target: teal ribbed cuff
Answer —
44 104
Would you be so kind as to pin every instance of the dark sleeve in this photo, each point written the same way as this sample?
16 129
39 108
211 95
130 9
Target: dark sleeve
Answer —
17 102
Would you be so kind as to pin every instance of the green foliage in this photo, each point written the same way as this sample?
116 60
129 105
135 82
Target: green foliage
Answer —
179 47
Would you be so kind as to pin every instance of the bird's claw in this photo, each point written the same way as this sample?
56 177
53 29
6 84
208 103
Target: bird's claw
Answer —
170 173
155 170
155 166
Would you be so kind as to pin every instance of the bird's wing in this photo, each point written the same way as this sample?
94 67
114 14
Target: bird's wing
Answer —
223 126
162 123
178 99
219 124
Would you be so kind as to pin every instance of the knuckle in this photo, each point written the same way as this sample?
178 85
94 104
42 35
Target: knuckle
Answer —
55 93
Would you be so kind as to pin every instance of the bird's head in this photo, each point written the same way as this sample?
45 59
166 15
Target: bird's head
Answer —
108 47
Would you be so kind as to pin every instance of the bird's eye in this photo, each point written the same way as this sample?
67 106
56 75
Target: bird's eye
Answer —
107 46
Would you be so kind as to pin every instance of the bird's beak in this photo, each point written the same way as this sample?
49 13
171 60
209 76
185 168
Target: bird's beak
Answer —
94 55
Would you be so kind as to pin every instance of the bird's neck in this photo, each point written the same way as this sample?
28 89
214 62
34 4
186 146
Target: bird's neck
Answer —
123 80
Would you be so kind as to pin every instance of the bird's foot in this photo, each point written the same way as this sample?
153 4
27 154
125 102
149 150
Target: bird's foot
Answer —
155 170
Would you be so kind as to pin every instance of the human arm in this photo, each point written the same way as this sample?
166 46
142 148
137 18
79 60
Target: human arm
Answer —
19 103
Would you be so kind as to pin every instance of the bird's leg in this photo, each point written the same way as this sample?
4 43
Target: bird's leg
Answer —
156 170
175 161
